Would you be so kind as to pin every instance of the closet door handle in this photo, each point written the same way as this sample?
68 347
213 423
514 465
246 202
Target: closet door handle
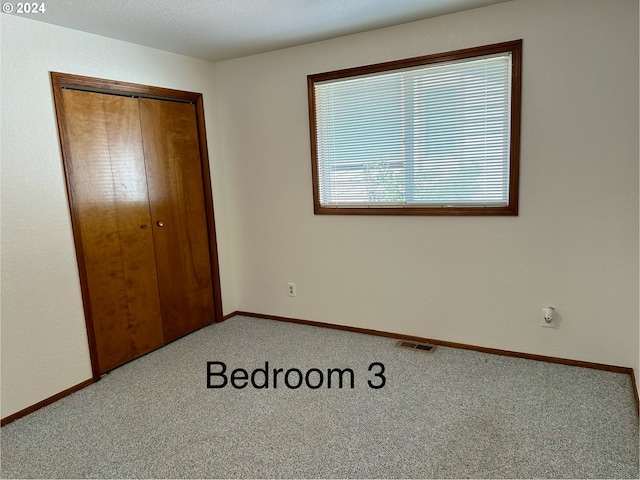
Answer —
160 223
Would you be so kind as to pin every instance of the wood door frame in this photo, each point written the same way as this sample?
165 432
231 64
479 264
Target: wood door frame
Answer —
60 81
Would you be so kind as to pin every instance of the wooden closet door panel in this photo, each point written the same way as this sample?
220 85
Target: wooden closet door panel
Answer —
174 176
124 308
134 224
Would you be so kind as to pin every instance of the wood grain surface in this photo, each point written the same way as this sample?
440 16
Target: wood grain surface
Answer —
174 176
104 136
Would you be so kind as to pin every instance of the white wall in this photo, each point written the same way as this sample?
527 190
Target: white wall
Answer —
480 281
44 341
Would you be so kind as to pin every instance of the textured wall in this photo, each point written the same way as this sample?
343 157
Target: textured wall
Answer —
481 281
44 342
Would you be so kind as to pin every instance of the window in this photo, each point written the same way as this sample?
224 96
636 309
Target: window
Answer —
434 135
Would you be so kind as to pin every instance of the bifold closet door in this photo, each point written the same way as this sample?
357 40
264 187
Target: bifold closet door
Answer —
109 189
136 186
174 176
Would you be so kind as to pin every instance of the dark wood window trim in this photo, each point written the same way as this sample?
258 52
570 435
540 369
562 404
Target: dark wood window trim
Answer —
513 47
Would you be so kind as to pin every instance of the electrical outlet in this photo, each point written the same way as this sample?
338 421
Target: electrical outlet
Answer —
291 288
548 317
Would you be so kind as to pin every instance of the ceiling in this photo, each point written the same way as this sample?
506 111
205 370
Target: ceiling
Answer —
222 29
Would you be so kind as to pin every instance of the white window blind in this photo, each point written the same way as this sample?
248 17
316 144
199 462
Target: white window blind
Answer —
430 136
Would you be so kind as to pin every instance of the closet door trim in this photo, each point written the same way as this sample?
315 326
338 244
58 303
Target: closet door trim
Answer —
60 81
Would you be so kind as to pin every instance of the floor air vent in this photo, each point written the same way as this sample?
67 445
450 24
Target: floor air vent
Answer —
424 347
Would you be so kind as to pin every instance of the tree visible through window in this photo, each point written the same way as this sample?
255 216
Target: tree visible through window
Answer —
430 135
